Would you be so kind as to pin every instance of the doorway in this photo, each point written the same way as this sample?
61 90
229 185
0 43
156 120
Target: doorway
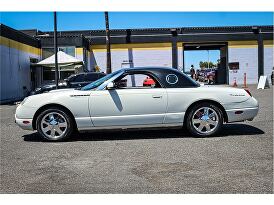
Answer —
209 61
34 79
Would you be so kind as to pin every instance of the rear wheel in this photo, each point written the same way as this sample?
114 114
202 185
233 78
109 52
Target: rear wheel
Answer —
204 120
54 124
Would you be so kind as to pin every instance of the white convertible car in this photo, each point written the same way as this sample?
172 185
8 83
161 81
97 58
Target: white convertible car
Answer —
124 99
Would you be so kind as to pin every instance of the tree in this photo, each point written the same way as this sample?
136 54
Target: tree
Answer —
205 64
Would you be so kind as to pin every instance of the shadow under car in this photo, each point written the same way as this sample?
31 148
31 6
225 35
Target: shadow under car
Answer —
227 130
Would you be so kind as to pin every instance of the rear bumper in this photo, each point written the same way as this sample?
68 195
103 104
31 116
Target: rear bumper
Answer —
25 124
237 115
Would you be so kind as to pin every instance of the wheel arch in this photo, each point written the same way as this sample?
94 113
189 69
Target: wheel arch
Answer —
51 105
207 101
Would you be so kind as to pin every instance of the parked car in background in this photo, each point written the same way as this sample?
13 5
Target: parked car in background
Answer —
272 78
48 87
73 81
83 79
206 75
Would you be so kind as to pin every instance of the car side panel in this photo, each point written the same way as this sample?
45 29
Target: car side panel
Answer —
123 107
179 99
74 100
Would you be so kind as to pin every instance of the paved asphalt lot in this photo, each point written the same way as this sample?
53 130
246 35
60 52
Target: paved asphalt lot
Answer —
159 161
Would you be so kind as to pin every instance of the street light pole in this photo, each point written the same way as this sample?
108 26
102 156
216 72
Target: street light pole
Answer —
56 50
207 58
108 44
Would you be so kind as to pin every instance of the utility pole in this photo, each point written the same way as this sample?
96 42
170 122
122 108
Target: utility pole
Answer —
174 33
56 50
207 58
108 44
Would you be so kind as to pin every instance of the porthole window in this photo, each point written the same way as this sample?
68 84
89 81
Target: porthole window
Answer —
172 79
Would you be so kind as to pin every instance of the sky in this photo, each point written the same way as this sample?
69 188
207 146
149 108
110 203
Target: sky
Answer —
125 20
95 20
194 58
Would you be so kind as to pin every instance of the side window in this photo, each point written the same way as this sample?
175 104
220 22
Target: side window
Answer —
79 78
137 81
92 77
179 80
172 79
100 75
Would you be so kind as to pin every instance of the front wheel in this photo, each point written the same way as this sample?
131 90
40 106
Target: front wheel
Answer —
204 120
54 124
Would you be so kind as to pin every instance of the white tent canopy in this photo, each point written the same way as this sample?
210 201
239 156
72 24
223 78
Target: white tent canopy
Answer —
63 60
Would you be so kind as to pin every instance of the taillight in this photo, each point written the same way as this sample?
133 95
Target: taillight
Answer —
249 93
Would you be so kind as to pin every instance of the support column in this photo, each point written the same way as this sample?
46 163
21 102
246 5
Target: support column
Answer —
56 51
183 56
260 55
174 49
108 45
257 31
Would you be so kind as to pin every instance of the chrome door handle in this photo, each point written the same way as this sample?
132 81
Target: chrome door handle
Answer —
157 96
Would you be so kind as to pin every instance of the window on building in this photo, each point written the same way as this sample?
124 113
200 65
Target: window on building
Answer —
48 74
70 50
47 52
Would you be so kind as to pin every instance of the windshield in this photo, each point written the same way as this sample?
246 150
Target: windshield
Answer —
98 82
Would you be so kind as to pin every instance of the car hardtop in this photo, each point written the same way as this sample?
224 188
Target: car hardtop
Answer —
161 74
150 68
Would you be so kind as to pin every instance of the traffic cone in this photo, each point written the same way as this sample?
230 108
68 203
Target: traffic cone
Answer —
245 84
235 83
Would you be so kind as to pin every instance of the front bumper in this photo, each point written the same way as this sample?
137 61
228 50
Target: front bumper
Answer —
24 116
25 124
242 114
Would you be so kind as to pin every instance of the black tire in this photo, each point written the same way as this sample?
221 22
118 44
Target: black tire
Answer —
69 122
190 127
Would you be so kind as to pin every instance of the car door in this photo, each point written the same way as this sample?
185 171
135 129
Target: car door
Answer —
128 106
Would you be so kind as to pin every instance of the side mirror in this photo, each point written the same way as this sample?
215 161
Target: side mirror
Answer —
110 86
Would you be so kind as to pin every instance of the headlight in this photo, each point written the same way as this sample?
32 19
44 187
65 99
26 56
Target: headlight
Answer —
24 100
38 89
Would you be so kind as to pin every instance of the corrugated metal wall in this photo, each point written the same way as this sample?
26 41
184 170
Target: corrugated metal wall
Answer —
246 53
133 55
268 58
15 69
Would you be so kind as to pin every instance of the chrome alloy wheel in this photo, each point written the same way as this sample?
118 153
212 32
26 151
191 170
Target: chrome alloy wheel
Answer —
205 120
54 125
